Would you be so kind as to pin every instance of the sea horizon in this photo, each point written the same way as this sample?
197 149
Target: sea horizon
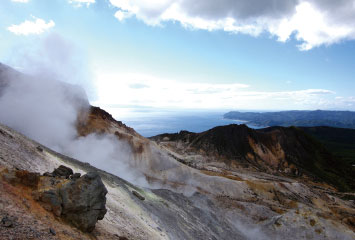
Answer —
152 123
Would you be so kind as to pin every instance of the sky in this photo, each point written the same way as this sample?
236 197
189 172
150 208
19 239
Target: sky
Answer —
191 54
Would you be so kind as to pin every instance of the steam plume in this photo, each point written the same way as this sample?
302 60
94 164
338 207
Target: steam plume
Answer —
44 105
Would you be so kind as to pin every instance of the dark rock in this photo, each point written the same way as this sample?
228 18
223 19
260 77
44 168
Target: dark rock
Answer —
75 176
62 171
47 174
79 200
27 178
51 201
140 197
52 231
7 222
84 201
350 221
39 148
120 237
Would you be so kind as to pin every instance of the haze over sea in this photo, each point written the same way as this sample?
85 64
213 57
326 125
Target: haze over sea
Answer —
151 122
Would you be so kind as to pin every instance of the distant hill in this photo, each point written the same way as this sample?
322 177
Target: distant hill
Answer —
290 151
341 119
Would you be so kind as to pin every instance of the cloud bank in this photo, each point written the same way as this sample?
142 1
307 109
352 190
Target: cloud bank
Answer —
139 90
37 26
312 22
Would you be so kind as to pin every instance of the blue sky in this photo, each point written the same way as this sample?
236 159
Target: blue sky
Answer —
264 55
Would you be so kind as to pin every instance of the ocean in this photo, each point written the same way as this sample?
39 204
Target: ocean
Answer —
153 123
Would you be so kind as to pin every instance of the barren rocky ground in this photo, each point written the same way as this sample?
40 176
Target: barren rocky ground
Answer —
186 204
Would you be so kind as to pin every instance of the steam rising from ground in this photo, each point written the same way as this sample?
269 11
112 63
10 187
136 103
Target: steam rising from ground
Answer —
107 153
46 109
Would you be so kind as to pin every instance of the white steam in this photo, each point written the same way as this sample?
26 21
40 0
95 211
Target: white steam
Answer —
107 153
46 109
55 58
40 110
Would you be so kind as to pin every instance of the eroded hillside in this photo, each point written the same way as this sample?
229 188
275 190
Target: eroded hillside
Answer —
245 205
277 150
186 186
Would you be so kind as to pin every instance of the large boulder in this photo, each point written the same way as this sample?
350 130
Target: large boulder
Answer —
80 200
83 201
51 201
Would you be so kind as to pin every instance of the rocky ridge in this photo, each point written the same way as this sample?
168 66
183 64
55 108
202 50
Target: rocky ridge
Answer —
276 150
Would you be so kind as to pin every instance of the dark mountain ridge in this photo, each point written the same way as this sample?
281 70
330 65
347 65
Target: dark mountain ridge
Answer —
342 119
288 151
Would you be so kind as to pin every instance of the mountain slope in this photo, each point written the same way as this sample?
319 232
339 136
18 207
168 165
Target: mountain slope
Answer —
278 150
263 207
340 141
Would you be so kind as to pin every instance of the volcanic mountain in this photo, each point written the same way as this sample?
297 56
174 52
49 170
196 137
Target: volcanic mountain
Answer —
276 150
229 182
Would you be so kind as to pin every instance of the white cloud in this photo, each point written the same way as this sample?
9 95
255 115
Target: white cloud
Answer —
20 1
148 91
313 27
313 22
345 103
79 3
121 15
37 26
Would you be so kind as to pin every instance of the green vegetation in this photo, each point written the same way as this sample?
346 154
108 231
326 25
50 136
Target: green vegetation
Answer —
339 141
329 164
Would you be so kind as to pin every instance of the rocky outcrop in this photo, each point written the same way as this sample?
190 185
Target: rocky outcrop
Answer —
83 201
62 171
79 200
98 120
